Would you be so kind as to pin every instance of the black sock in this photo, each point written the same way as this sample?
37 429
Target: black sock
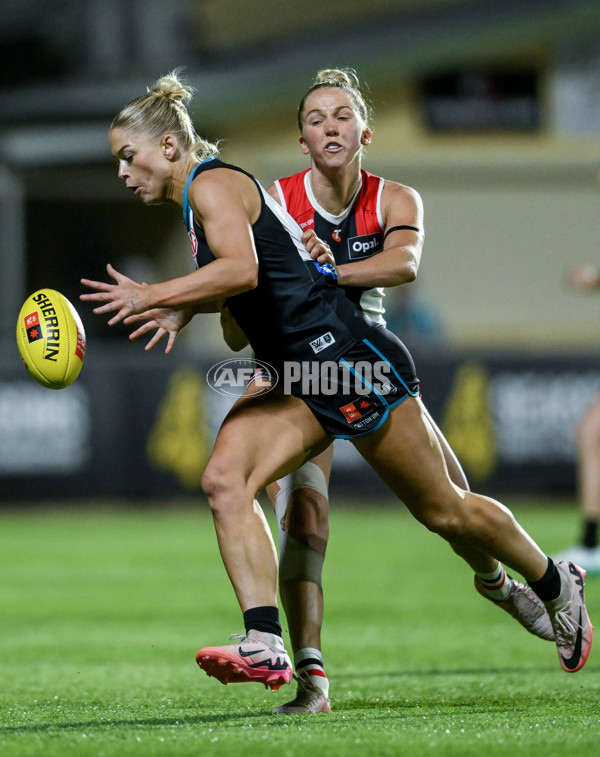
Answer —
263 619
590 534
548 586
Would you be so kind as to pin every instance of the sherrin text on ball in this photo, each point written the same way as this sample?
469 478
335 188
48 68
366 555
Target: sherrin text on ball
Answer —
51 339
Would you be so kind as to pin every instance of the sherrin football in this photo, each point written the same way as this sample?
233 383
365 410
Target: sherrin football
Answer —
51 339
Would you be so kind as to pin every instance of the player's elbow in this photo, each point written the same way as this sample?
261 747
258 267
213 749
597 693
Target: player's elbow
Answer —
410 272
407 273
246 278
408 266
252 279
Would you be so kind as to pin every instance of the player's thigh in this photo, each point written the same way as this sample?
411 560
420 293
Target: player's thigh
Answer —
297 479
264 437
406 455
455 471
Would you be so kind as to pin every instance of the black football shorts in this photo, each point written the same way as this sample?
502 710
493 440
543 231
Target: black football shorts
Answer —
353 395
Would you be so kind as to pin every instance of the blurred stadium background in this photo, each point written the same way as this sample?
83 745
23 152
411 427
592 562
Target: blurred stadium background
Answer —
489 108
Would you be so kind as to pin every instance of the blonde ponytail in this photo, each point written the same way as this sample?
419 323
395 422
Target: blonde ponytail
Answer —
162 110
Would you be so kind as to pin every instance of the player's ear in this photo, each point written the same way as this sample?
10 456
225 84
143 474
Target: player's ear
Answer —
303 145
168 145
366 136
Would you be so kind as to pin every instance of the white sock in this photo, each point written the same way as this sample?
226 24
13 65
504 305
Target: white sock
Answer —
497 584
309 662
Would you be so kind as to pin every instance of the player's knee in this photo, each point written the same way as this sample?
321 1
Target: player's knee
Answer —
444 524
301 504
302 511
307 516
449 519
304 531
220 486
472 519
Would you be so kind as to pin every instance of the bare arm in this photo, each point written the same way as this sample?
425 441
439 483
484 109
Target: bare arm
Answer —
399 260
225 207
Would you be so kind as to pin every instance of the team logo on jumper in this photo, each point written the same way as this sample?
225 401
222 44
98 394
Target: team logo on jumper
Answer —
364 246
33 328
322 342
194 243
232 377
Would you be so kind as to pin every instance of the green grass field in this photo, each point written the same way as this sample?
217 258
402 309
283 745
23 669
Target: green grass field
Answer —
102 611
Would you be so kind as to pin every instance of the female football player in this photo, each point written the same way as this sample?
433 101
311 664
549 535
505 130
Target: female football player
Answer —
249 251
374 229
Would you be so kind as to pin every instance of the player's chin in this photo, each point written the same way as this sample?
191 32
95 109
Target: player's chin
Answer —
151 200
148 197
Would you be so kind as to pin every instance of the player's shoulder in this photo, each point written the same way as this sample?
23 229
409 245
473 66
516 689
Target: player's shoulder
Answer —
396 187
396 192
222 180
391 188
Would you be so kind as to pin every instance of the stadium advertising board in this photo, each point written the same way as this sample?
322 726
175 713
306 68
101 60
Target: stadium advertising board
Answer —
146 430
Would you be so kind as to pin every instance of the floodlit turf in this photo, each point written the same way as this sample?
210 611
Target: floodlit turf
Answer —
102 611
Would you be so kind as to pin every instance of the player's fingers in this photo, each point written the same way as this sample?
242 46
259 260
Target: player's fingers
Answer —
308 235
146 315
101 310
319 251
113 272
143 329
155 339
312 244
171 342
101 286
326 257
100 298
123 313
109 306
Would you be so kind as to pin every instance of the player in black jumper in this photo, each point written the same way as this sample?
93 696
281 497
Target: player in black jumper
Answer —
250 253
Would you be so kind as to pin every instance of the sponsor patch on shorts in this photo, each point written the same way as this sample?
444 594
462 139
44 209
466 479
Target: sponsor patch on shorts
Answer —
361 414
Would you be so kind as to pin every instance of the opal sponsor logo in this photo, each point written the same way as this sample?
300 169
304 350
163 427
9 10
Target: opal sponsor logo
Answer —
364 246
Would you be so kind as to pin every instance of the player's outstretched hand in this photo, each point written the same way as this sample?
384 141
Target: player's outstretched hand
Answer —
317 248
166 321
126 296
